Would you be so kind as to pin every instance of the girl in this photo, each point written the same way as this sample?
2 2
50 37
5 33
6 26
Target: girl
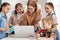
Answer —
5 7
16 17
50 11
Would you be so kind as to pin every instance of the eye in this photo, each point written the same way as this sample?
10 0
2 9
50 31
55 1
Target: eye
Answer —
46 8
28 8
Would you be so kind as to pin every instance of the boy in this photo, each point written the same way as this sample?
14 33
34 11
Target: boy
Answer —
47 32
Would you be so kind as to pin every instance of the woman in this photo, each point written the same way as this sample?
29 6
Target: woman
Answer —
31 16
5 7
16 17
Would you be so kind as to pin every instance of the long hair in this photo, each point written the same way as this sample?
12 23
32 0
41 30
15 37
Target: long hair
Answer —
32 3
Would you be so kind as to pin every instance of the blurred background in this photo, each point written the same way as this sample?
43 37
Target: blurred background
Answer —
41 4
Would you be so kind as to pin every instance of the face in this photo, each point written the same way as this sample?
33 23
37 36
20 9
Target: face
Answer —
30 9
19 9
48 9
46 25
6 9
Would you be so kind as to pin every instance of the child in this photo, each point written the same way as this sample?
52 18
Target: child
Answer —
16 17
46 32
5 7
50 11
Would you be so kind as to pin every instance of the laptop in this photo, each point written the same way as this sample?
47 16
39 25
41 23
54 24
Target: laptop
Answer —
24 31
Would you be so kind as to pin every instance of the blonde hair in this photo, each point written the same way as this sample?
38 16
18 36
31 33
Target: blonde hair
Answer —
48 20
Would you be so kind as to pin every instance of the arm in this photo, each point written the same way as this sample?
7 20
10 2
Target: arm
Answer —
35 26
10 21
1 29
54 22
37 18
7 27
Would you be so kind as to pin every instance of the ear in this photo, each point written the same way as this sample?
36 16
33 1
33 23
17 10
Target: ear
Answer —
3 7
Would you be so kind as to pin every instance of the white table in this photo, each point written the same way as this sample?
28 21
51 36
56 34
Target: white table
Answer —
13 38
30 38
41 38
44 38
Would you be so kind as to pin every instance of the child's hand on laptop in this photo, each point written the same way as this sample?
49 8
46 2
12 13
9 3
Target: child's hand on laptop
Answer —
37 35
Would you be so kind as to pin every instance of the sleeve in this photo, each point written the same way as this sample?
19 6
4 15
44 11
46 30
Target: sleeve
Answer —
37 19
37 16
54 19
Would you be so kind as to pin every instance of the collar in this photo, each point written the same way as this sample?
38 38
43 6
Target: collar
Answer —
5 16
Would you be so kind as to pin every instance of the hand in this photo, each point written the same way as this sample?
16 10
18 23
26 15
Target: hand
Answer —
11 25
37 35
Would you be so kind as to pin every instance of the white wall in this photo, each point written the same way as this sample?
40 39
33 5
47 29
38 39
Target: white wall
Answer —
42 3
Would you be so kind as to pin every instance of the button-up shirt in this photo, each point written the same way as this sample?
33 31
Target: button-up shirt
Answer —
2 24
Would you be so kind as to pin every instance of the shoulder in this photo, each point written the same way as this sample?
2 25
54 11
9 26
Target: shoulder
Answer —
38 12
53 15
